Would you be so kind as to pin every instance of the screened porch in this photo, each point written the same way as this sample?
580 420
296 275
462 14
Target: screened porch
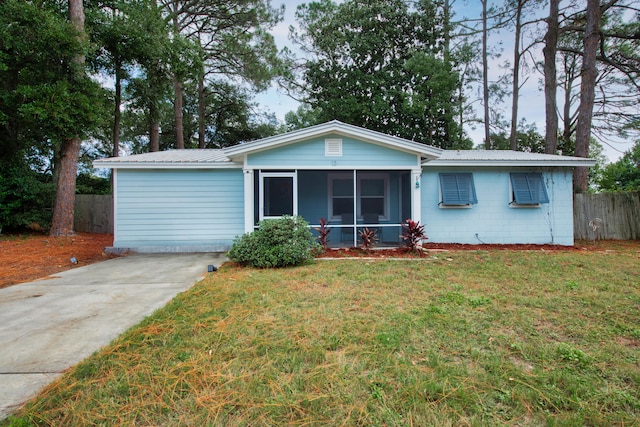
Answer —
348 200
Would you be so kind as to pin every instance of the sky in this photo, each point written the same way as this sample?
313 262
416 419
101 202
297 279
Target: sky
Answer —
531 105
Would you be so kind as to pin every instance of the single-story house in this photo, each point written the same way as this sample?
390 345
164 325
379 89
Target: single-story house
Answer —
200 200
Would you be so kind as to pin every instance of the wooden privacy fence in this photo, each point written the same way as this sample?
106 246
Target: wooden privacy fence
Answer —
93 213
595 216
607 216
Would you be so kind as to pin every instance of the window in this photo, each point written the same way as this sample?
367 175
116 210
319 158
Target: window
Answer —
278 194
341 196
457 189
372 194
528 189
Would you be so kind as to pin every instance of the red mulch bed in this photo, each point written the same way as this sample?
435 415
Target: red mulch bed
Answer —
580 246
28 257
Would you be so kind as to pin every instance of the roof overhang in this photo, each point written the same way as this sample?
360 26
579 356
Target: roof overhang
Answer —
497 158
171 159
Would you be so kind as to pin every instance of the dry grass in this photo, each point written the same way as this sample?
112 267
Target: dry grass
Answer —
462 338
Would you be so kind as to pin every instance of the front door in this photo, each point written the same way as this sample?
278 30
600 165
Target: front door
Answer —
278 194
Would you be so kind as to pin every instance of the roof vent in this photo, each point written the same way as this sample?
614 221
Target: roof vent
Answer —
333 147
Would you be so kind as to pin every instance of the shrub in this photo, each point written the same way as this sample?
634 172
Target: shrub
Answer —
369 238
323 233
25 199
276 243
413 234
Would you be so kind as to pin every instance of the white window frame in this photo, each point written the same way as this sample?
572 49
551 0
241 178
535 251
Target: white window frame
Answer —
383 176
293 175
358 192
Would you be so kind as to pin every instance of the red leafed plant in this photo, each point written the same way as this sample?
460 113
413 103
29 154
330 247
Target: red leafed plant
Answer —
413 234
323 233
369 238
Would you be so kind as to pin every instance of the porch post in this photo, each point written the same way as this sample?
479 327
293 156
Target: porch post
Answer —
416 184
248 200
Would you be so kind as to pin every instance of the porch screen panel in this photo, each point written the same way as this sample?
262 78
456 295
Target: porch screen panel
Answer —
278 196
372 196
342 196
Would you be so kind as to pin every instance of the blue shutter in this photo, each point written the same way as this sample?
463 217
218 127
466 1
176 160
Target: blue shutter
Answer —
528 189
457 189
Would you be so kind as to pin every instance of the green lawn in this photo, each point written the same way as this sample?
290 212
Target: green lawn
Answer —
456 338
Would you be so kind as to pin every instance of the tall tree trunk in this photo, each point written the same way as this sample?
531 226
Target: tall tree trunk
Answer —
485 77
587 92
177 112
154 135
455 140
154 110
63 209
513 138
177 88
550 80
116 110
201 114
570 65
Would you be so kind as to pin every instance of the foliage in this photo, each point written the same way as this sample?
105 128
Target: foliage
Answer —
379 65
323 233
87 183
26 198
479 338
276 243
303 117
368 237
230 116
43 100
46 99
413 234
528 140
623 175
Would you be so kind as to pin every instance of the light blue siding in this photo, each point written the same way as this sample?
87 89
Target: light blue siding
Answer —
311 154
187 209
492 219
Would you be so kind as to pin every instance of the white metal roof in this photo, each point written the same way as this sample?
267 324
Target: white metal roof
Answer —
207 158
233 157
504 158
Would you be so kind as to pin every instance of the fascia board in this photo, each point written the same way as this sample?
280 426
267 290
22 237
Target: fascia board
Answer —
497 163
159 165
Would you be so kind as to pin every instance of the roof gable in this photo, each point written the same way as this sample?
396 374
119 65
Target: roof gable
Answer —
332 128
332 151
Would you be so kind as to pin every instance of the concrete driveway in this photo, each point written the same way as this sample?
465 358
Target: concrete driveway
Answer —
51 324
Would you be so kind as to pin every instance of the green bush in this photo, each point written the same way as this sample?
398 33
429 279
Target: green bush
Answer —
26 200
276 243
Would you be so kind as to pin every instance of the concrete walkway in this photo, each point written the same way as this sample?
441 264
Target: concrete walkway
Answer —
51 324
